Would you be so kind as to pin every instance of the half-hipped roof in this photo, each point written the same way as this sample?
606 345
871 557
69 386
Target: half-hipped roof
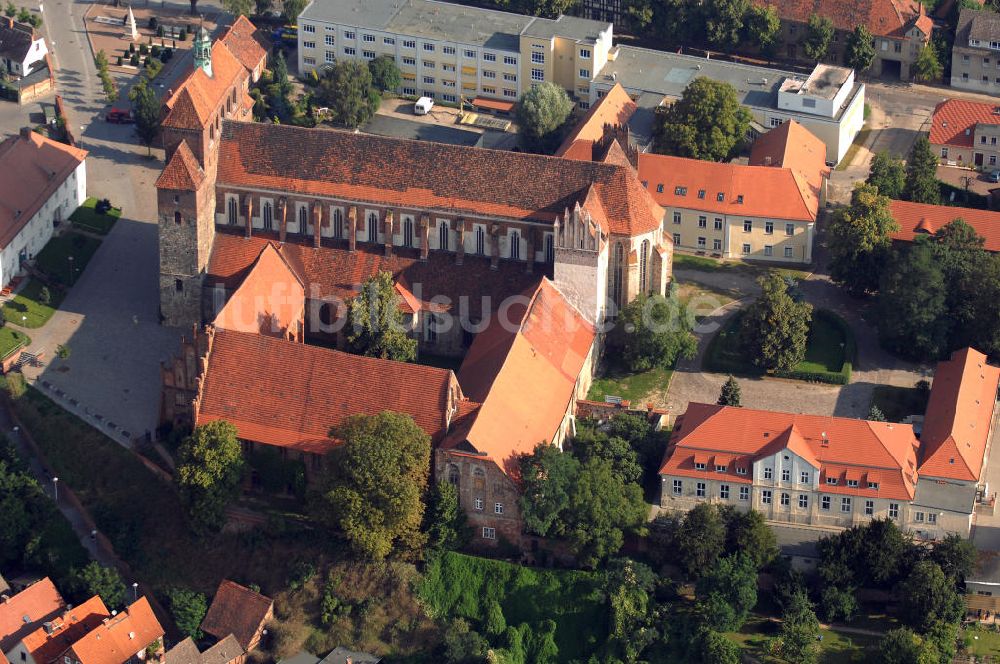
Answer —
119 639
45 644
237 610
916 219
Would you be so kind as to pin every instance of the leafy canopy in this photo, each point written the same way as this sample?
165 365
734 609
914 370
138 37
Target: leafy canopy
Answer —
774 329
860 52
819 33
921 174
541 114
188 608
707 122
377 328
860 240
348 90
146 109
209 472
888 174
655 332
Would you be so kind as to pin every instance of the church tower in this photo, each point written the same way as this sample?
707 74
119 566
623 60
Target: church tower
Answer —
581 263
203 51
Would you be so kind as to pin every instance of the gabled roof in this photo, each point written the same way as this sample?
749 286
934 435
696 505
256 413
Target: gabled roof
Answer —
200 94
523 371
242 40
954 121
45 645
185 652
271 299
33 168
291 394
119 639
448 178
616 107
182 172
884 18
981 24
880 452
959 416
23 613
237 610
925 219
15 39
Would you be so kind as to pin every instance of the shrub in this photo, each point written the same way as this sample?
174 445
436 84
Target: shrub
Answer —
119 61
184 34
134 60
143 49
154 51
159 31
15 385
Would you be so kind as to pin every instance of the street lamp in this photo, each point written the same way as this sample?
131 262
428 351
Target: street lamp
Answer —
55 488
135 591
70 270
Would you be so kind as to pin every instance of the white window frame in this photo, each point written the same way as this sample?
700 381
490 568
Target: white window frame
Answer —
489 533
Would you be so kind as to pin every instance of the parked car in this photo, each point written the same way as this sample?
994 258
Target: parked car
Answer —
993 176
119 116
423 106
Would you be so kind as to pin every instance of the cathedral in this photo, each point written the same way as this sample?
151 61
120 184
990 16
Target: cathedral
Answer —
513 262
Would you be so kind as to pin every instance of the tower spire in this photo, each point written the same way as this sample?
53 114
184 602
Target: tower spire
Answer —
203 49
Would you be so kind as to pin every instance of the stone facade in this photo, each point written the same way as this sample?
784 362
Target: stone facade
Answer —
488 496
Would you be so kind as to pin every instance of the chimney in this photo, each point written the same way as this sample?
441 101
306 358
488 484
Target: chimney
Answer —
48 627
25 132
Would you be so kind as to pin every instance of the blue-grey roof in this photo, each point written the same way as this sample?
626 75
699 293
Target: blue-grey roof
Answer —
342 655
384 125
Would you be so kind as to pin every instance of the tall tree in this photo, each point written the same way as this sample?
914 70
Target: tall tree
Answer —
446 524
628 586
385 73
590 444
194 7
106 582
860 52
903 646
374 483
601 509
700 540
819 34
377 328
279 90
921 174
727 592
146 110
888 174
927 596
348 92
637 14
188 609
860 240
655 332
927 67
290 10
799 631
724 20
541 114
707 122
912 321
730 394
761 28
209 471
956 556
748 533
774 328
547 476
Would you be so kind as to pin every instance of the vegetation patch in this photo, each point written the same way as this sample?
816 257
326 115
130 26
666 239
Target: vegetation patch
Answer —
981 641
87 218
11 340
33 306
836 647
636 388
898 402
460 586
54 259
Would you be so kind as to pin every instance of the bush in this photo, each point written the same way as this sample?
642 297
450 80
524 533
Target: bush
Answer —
159 31
143 49
154 51
154 24
184 34
119 61
134 60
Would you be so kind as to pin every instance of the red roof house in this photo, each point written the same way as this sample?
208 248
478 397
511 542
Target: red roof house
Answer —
238 611
916 219
23 613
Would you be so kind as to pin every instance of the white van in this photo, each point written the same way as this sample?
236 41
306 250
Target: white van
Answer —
423 106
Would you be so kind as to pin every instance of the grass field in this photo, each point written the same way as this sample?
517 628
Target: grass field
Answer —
898 402
87 219
54 259
634 387
825 351
11 340
456 585
26 308
981 642
836 647
706 264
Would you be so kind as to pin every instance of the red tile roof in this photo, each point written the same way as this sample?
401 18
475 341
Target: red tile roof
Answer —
448 178
239 611
45 646
199 95
959 416
925 219
243 40
335 272
33 168
291 394
855 448
182 172
616 107
21 614
884 18
523 369
790 145
271 300
954 121
121 638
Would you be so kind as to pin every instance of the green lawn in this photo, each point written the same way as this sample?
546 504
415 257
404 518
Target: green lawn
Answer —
87 219
634 387
825 351
11 340
26 308
457 585
706 264
836 647
898 402
54 259
981 642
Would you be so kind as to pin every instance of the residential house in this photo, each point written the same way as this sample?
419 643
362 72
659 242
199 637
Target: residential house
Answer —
338 655
826 471
128 637
916 219
226 651
446 51
975 57
47 643
238 611
25 612
982 587
966 133
21 48
900 29
44 182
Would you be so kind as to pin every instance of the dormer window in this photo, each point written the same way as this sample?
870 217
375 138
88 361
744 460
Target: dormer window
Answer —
741 470
699 466
831 481
680 191
719 468
720 197
873 485
852 483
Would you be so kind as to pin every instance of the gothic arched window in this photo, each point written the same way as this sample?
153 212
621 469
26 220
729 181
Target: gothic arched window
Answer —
643 266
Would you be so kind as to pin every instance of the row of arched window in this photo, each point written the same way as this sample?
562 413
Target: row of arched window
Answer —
616 276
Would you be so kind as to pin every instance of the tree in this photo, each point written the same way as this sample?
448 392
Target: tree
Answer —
377 328
860 239
912 321
700 540
774 329
903 646
711 647
96 579
279 90
385 73
921 174
727 592
290 10
927 596
372 488
927 66
188 609
463 645
541 114
45 295
730 394
955 556
592 444
655 332
348 91
238 7
547 476
209 470
446 524
628 586
799 631
761 27
10 10
748 533
707 122
724 20
875 414
838 604
601 509
146 110
860 52
819 33
495 624
887 174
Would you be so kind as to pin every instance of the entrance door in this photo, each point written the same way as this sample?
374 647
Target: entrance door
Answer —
979 159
